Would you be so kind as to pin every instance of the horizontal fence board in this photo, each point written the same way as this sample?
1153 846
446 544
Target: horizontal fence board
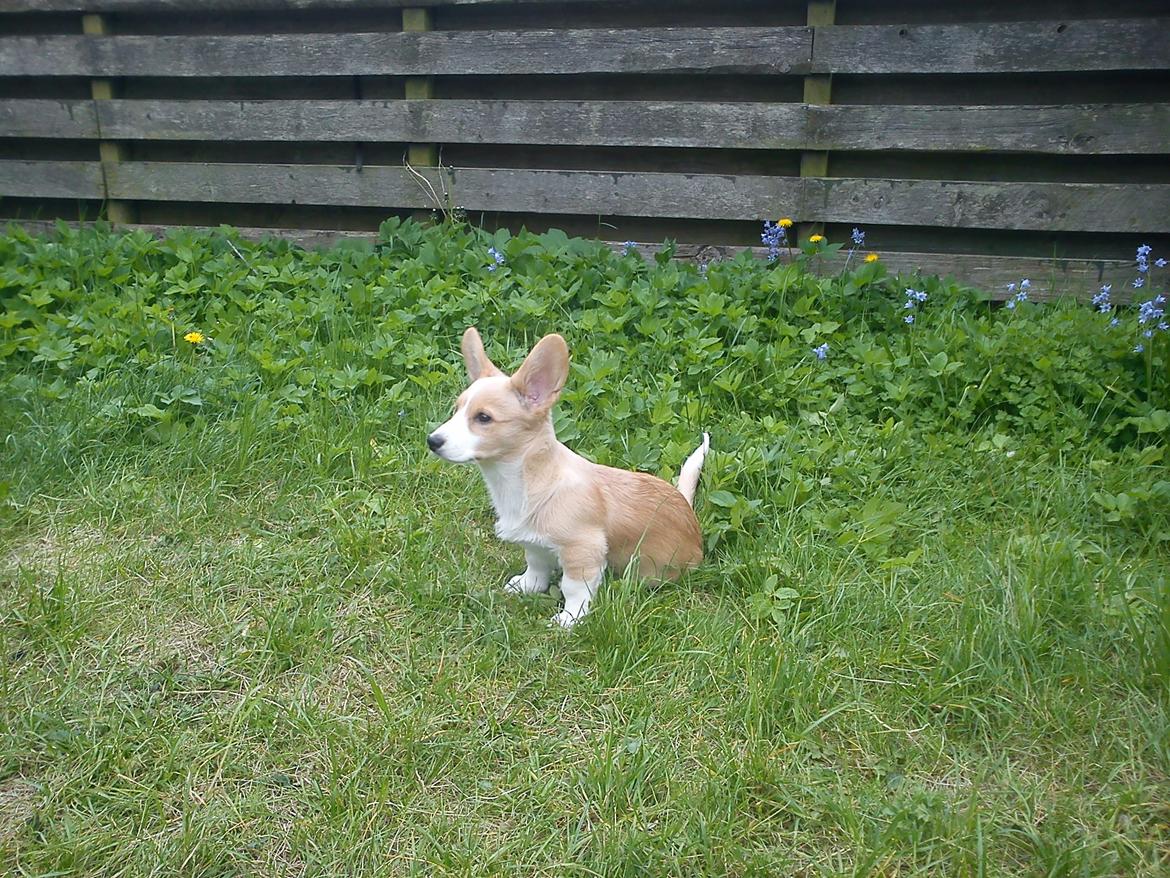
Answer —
475 189
19 179
1051 278
1067 130
432 53
568 123
1017 47
189 6
1092 129
969 48
1016 206
42 118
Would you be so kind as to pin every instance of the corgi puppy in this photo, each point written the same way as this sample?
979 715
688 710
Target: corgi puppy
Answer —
564 510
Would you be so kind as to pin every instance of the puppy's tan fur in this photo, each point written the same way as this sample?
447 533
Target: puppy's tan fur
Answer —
564 510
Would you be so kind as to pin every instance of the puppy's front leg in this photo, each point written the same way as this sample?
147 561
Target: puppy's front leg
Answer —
583 565
535 578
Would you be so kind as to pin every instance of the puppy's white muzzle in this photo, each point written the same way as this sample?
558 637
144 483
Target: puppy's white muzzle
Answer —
454 440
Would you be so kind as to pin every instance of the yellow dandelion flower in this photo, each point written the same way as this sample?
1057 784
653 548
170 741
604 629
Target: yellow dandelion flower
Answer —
785 223
872 257
195 337
816 239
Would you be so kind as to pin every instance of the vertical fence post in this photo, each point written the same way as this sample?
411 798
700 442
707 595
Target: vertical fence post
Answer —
818 90
420 88
111 153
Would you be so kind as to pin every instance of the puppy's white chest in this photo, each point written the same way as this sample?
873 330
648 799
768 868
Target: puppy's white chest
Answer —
514 524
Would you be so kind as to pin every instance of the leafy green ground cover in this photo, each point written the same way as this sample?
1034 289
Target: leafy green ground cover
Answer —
250 627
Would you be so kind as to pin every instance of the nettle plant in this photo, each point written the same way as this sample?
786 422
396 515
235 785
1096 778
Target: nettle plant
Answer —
816 385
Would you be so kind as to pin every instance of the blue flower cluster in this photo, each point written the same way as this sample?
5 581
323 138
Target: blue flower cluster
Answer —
1104 303
858 238
629 247
1143 258
497 258
1101 301
774 237
914 298
1019 293
1151 313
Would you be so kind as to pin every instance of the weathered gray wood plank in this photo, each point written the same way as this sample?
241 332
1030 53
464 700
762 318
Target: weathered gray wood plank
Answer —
42 118
1017 47
586 123
476 189
1017 206
1051 278
432 53
1090 129
237 5
21 179
1101 207
1080 130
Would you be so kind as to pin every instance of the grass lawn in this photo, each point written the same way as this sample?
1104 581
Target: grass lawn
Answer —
248 626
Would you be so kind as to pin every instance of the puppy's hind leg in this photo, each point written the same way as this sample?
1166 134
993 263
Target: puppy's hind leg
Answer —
535 579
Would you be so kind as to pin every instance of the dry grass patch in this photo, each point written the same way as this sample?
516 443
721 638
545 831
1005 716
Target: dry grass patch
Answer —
53 551
18 804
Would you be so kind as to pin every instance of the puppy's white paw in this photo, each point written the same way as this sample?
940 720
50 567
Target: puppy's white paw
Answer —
565 619
526 583
570 616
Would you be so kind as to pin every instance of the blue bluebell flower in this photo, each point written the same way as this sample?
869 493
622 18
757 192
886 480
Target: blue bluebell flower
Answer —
1139 282
1138 348
1018 293
858 238
774 237
822 351
497 258
1161 263
1101 300
1115 322
1152 311
1143 259
914 298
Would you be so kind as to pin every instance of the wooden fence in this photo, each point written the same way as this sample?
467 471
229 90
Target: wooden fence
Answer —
994 140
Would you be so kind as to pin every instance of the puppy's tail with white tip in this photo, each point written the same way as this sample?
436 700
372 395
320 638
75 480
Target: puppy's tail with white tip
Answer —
688 476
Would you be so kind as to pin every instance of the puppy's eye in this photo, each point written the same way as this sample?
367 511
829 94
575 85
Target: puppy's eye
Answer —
483 418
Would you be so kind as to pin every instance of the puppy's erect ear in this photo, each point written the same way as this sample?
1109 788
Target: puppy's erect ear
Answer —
478 364
542 376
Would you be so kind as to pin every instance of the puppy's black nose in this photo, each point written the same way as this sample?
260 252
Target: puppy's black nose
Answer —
434 442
